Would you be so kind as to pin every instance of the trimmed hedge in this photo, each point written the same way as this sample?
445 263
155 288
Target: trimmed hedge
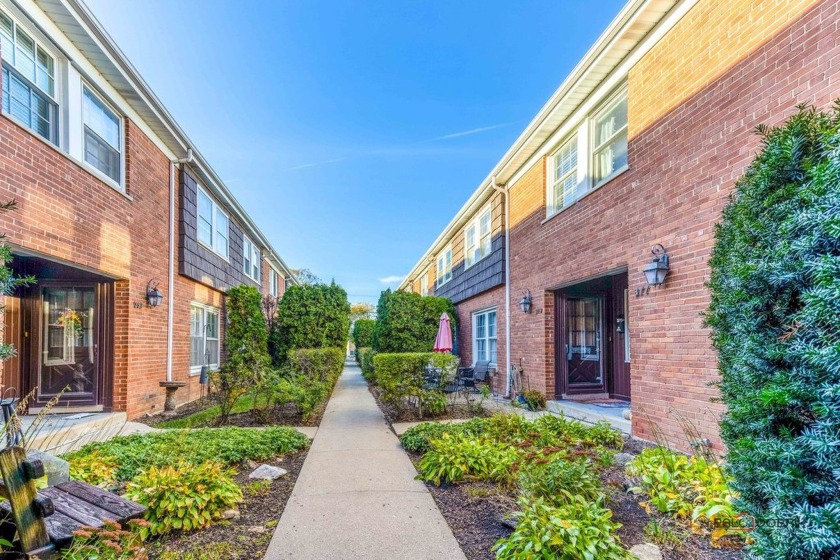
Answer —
365 358
322 364
401 375
363 333
408 322
775 288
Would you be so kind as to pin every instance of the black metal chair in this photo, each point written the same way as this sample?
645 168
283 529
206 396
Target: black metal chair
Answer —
468 377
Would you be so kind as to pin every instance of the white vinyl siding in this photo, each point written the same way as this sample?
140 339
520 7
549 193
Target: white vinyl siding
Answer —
204 337
478 237
213 224
484 336
28 81
609 139
444 267
102 136
251 260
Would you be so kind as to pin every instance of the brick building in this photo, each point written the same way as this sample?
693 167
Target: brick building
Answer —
115 205
638 149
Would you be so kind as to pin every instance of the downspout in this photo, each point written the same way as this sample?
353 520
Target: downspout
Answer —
504 190
170 319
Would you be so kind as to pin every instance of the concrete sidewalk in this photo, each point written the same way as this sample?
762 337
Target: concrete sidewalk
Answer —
356 496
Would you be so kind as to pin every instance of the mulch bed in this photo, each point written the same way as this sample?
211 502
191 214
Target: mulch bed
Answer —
476 514
249 535
457 411
280 416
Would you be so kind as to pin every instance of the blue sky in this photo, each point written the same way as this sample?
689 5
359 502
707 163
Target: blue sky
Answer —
353 131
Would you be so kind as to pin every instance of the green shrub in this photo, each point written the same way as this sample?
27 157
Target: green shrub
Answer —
401 375
534 400
453 459
246 340
184 496
577 530
558 481
229 446
363 333
304 392
409 322
600 434
95 468
323 364
310 316
418 438
775 280
365 358
109 542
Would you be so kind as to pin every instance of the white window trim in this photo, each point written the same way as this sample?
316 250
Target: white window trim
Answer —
273 282
475 225
474 320
254 259
195 370
604 107
424 285
585 158
216 208
119 185
442 279
550 204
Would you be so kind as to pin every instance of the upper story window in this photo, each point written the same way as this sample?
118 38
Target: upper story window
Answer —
564 181
477 237
213 224
609 139
444 267
28 81
424 285
251 259
273 282
102 135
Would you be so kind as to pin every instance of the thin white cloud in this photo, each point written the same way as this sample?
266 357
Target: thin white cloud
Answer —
308 165
393 279
469 132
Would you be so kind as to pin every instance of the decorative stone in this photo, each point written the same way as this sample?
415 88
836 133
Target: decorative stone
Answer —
268 472
509 523
622 459
57 470
646 551
257 529
231 514
171 387
627 414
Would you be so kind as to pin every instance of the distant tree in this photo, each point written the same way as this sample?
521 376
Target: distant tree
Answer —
409 322
361 311
310 316
8 281
306 277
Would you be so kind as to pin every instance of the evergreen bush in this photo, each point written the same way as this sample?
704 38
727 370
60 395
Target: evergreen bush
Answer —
775 289
363 333
409 322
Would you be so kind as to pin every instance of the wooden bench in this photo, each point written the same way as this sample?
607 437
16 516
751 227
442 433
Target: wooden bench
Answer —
46 519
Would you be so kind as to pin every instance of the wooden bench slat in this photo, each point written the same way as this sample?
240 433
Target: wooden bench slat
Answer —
121 510
74 508
60 528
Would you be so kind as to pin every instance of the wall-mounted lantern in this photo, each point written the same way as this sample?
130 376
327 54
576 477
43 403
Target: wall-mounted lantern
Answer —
657 270
525 302
154 296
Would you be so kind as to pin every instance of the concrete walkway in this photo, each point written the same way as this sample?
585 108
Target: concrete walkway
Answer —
356 496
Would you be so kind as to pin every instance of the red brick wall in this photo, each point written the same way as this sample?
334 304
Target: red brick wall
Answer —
491 298
682 168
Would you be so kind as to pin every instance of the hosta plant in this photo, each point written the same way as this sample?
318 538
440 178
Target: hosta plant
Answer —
558 481
183 497
95 468
457 458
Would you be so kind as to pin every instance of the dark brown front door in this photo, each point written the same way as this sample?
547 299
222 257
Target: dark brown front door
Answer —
592 331
66 338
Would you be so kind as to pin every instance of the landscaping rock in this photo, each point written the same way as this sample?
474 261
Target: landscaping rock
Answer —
622 459
627 414
509 523
231 514
57 470
257 529
646 551
267 472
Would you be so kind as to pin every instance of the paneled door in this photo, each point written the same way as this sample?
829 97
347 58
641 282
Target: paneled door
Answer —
581 350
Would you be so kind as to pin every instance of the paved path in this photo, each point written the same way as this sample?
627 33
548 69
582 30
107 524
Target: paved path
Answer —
356 497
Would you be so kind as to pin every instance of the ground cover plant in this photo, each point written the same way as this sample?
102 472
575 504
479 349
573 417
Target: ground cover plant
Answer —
774 306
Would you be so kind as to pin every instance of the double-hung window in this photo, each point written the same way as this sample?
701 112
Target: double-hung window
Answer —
204 337
102 135
609 139
273 282
28 81
251 259
484 336
477 237
424 285
213 224
444 267
564 181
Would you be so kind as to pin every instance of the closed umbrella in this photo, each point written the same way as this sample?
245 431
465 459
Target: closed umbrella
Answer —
443 342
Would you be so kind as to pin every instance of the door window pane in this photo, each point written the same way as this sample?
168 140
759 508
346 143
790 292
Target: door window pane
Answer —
68 342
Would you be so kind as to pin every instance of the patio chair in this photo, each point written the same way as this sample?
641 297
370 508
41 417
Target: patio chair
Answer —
468 377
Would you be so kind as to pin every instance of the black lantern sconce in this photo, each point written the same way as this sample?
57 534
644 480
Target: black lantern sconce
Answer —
525 302
154 296
657 270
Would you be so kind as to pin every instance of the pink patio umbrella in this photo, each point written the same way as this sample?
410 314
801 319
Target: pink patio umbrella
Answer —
443 342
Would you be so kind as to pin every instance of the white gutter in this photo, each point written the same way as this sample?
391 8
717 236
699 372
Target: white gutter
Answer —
505 193
170 319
